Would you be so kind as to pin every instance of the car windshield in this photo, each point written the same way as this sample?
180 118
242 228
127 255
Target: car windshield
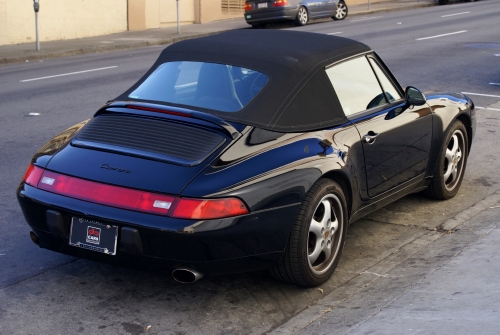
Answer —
219 87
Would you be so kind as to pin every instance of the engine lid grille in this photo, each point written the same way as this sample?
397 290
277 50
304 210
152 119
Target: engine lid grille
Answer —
150 138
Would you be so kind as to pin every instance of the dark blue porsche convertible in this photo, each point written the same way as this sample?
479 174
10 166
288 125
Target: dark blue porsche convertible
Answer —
241 152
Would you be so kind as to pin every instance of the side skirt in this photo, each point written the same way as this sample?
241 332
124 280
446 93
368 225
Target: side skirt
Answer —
414 185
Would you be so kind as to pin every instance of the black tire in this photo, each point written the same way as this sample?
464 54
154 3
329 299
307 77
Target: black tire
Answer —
311 241
302 16
341 12
443 2
450 167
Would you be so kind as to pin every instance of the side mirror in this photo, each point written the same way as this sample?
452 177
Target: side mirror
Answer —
414 97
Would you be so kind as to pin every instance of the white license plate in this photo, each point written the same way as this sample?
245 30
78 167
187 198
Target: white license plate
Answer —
262 5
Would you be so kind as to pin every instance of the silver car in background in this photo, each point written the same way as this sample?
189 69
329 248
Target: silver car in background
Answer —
260 12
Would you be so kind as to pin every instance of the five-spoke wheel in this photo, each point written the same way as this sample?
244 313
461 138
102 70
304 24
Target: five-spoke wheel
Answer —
450 167
317 236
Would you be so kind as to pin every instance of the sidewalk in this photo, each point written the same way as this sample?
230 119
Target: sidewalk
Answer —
136 39
448 286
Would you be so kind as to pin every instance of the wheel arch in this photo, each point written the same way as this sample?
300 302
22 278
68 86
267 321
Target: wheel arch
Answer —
465 119
340 178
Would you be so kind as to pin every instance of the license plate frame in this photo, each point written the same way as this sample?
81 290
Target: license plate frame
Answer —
92 235
261 5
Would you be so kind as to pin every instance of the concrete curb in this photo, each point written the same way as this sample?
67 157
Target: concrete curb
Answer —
164 41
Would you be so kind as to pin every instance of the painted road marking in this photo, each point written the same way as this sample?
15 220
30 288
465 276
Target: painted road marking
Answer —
482 95
498 84
338 32
488 108
435 36
455 14
68 74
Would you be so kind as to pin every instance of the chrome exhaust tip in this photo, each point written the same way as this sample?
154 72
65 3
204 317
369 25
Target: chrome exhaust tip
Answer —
34 238
186 275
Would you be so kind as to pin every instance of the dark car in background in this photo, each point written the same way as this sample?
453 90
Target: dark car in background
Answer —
241 152
260 12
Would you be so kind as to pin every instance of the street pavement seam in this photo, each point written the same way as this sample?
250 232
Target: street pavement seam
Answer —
38 274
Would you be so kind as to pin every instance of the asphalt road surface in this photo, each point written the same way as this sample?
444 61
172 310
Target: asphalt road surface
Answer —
455 48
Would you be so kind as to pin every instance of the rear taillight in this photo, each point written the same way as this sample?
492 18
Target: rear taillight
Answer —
136 200
205 209
32 175
248 6
280 3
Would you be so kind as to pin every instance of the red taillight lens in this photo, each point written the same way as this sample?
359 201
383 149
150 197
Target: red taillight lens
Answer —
248 6
114 196
204 209
32 175
280 3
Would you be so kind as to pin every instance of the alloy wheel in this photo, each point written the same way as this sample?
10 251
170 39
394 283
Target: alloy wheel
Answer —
453 163
341 12
325 232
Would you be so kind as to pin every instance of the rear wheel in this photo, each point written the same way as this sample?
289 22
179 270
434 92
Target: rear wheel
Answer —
443 2
341 12
302 16
317 237
450 168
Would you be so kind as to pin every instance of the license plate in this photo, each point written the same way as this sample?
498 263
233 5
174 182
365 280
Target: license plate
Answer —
93 236
262 5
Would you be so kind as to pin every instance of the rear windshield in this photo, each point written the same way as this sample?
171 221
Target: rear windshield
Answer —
219 87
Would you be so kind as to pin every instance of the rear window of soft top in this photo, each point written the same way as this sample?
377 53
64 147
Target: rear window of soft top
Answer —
220 87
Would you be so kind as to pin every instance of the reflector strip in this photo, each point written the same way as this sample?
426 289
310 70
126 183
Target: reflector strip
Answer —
121 197
114 196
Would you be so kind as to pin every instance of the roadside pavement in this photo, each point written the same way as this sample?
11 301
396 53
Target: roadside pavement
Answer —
445 282
136 39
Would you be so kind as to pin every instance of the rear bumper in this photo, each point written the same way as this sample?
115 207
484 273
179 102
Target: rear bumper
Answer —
271 15
245 243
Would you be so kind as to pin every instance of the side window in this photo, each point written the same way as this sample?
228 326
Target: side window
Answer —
387 86
356 85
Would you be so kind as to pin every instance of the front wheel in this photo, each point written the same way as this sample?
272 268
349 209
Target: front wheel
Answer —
341 11
317 237
302 16
443 2
450 168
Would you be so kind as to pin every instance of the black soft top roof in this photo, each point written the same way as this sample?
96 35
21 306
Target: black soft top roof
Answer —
298 96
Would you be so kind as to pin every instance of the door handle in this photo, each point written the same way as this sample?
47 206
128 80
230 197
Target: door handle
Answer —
370 137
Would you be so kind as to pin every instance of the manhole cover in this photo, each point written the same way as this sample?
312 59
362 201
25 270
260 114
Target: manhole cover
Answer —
483 45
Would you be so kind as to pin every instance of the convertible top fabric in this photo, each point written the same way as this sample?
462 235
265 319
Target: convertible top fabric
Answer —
298 96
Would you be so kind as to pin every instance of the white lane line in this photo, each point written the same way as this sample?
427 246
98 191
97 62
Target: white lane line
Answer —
498 55
482 95
338 32
455 14
435 36
365 18
498 84
68 74
488 108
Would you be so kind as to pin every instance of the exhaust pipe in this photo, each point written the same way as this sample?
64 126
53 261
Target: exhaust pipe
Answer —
34 238
186 275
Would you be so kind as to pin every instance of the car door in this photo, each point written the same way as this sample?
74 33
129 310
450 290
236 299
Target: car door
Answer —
396 138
